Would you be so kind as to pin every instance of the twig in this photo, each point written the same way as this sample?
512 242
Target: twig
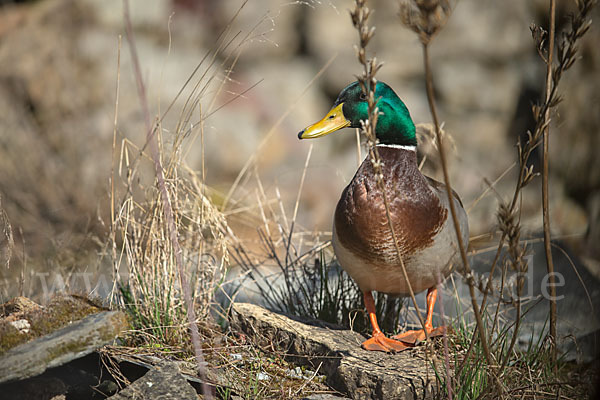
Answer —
490 187
368 84
461 245
167 208
545 206
427 19
566 56
113 177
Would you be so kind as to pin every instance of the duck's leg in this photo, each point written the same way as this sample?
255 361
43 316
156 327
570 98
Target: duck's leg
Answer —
413 337
379 342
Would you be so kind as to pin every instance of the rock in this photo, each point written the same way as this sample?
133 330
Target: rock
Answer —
22 325
18 305
337 354
162 382
325 396
66 344
22 320
83 378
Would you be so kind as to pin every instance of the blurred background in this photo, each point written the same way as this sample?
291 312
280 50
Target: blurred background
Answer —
289 60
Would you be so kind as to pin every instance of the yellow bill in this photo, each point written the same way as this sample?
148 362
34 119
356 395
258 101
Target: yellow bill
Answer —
333 121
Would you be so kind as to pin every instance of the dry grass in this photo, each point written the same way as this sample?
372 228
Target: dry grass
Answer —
152 289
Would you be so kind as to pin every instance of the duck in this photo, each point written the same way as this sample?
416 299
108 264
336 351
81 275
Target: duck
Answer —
419 210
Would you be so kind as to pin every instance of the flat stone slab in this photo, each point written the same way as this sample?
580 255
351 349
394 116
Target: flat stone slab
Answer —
163 382
358 373
66 344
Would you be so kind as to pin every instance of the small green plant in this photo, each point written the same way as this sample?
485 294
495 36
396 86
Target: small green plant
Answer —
471 380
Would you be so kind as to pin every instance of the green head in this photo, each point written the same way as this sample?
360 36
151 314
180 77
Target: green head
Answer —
394 125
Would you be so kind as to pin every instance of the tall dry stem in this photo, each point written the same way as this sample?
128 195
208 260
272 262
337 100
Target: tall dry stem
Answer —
113 197
509 214
566 57
166 203
368 83
427 18
545 206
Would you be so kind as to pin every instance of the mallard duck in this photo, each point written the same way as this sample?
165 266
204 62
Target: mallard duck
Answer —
419 210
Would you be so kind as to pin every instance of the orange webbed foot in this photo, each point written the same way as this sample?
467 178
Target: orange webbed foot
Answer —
414 337
379 342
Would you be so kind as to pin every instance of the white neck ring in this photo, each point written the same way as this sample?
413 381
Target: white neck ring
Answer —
399 146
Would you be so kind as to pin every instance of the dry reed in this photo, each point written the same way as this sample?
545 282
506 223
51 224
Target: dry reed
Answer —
368 83
426 18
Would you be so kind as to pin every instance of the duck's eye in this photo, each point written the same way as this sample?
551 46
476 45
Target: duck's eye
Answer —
332 116
363 96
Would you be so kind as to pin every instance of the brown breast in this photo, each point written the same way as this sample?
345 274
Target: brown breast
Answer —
416 212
